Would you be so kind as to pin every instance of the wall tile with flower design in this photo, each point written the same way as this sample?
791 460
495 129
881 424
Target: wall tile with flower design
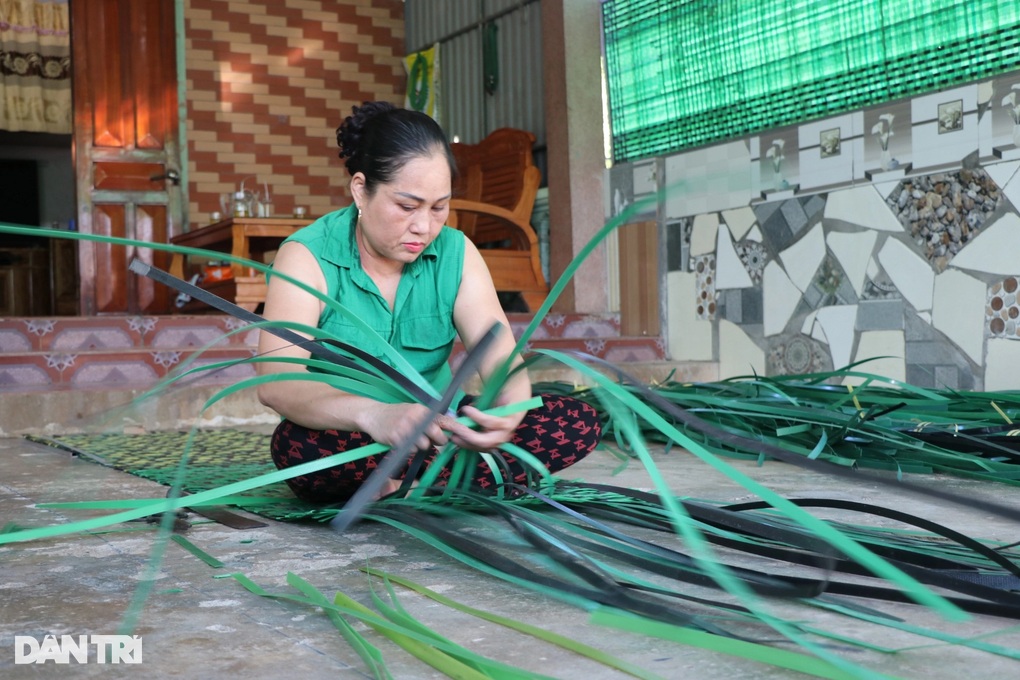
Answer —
830 286
755 257
794 354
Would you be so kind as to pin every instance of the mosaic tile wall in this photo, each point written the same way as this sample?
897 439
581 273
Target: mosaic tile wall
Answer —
267 84
889 235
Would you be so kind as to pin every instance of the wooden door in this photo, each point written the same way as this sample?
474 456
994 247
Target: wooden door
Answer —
639 280
126 147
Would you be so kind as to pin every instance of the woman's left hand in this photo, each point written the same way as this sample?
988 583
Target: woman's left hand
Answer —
492 430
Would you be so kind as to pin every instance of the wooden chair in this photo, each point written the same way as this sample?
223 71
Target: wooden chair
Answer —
494 196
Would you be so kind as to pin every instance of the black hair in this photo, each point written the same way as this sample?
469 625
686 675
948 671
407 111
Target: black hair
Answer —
378 139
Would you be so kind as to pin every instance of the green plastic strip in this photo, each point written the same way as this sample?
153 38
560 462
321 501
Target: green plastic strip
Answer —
527 628
500 375
780 658
488 667
212 495
422 650
703 553
866 558
973 643
379 344
196 551
366 650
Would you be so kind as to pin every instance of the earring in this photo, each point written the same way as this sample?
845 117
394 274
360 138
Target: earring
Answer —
359 213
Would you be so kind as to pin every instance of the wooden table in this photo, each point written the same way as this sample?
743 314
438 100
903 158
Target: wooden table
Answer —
246 237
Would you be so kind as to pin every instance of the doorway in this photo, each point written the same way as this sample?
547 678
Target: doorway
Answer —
38 275
116 171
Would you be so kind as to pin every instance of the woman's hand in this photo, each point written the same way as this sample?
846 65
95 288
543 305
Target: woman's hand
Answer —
493 430
476 310
390 424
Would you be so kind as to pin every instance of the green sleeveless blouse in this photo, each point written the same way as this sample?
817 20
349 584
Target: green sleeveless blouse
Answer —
420 325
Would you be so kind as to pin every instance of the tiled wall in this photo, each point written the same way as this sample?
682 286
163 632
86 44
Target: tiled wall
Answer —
124 352
814 246
110 352
267 84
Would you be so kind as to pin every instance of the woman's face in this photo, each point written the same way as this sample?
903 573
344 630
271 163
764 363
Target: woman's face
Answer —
403 216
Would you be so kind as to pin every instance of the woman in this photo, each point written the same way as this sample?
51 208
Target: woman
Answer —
389 259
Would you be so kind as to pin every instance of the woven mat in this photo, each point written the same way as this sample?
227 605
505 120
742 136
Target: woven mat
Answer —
216 458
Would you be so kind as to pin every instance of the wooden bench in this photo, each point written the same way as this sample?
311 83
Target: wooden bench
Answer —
493 198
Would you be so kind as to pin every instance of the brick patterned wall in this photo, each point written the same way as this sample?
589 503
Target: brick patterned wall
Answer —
268 83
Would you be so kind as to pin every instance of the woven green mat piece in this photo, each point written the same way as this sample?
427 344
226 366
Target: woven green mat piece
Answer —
217 457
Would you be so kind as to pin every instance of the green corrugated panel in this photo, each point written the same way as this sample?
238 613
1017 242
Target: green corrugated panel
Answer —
685 74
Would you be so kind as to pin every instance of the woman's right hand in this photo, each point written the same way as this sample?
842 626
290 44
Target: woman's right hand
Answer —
390 424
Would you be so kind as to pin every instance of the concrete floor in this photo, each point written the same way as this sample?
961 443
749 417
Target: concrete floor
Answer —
197 626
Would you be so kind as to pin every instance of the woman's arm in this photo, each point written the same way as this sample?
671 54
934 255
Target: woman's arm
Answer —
313 404
477 308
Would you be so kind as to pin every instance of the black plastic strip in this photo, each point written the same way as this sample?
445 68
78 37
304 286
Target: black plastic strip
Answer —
398 455
746 444
999 602
759 581
822 552
73 450
314 346
905 518
613 596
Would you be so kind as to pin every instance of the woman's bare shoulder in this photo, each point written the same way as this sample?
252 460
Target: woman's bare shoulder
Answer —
294 261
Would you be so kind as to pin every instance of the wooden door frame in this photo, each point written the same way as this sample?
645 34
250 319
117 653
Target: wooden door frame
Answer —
129 125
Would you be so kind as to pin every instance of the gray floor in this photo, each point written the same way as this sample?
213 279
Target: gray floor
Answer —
196 626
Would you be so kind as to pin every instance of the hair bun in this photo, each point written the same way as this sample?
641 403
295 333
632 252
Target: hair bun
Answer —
378 139
352 130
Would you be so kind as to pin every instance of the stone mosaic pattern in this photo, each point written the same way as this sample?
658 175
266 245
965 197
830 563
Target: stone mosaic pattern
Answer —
916 269
267 84
879 287
784 222
945 211
933 362
903 289
742 307
880 315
